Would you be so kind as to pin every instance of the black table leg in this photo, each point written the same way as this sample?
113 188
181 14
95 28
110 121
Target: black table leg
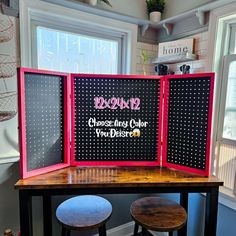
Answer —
211 212
184 204
47 215
25 202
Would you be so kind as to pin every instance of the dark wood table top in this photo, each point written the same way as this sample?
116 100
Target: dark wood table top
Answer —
115 177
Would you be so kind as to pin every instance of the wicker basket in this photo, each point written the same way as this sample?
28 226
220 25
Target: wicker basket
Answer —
6 28
8 105
7 66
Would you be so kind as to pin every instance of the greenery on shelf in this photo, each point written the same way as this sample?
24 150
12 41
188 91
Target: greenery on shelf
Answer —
155 5
145 58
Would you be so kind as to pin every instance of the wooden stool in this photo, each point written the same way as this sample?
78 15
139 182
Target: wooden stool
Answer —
157 214
84 213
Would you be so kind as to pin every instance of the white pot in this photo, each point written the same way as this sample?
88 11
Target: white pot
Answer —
92 2
155 16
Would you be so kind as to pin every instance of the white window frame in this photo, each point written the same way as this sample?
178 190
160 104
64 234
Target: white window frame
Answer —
218 44
225 75
36 12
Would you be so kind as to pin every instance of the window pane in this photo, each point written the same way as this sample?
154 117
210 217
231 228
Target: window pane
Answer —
229 131
232 39
74 53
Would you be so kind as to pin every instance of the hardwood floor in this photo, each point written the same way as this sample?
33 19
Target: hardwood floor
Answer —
148 234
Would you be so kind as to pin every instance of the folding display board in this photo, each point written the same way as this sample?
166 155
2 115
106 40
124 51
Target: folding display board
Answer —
116 120
43 122
187 122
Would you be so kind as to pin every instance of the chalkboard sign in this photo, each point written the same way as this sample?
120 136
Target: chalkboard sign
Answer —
116 120
44 125
187 122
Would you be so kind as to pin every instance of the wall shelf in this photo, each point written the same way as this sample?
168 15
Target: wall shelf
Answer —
175 59
182 25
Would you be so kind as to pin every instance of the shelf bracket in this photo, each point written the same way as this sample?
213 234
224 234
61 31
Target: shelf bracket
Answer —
201 17
144 29
168 28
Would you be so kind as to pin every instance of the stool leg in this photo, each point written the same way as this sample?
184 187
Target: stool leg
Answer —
102 230
144 231
63 231
136 229
170 233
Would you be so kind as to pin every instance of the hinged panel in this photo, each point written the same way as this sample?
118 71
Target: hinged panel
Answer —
43 120
187 122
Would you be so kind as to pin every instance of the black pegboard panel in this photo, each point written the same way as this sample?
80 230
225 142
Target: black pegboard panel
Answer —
44 120
188 121
89 146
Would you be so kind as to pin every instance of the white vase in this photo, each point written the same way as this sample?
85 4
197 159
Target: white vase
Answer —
92 2
155 16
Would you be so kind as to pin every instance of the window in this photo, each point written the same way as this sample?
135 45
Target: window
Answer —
62 39
229 124
69 52
222 31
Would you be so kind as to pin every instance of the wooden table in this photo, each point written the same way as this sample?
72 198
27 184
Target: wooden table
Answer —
100 180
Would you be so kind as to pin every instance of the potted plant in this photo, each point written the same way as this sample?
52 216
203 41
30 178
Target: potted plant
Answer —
94 2
155 8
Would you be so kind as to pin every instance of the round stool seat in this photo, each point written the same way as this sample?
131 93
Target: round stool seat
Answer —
158 214
84 212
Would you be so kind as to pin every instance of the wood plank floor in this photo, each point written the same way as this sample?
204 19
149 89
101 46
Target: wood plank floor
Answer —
148 234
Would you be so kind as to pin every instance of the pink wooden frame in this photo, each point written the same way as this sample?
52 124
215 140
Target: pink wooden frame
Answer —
69 123
22 123
206 172
114 163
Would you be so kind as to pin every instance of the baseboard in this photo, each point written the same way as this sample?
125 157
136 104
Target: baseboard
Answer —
127 230
158 233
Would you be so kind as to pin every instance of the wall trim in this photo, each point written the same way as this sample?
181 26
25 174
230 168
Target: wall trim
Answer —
12 159
127 230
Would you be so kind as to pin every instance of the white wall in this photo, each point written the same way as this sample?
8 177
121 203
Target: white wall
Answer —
136 8
175 7
9 52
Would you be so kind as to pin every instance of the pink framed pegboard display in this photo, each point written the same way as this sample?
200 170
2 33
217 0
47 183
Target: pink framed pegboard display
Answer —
187 122
118 120
44 134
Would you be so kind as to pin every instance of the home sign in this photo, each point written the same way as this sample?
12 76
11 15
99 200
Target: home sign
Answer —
174 48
